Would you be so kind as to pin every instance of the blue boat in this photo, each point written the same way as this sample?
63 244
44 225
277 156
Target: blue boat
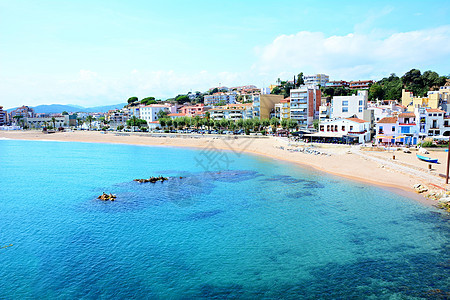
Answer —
427 159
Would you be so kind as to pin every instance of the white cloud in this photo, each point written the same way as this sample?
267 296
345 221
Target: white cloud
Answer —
356 55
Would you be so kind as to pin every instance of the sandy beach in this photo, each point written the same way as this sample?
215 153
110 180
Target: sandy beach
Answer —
373 167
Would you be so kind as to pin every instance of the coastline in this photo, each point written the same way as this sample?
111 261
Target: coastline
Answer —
342 161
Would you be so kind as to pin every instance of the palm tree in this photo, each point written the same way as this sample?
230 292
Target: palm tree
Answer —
18 118
78 121
54 122
90 119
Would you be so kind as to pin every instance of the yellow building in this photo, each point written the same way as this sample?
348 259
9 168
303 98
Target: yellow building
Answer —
263 105
411 102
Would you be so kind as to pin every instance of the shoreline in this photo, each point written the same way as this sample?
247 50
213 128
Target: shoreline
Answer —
339 163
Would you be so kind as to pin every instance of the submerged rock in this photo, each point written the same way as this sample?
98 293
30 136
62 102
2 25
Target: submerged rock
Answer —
152 179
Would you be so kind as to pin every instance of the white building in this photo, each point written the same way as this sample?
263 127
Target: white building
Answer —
149 113
232 112
431 121
225 98
317 79
62 121
353 128
348 106
324 112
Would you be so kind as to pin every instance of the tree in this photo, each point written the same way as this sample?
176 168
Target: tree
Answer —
180 99
89 119
149 100
300 80
376 92
169 122
274 122
316 124
162 114
292 124
265 122
132 100
79 121
136 122
162 122
18 119
240 123
284 123
65 113
276 91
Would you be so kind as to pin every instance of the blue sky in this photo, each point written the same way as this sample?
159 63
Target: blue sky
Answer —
102 52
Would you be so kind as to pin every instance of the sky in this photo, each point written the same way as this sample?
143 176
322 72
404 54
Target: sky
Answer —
93 53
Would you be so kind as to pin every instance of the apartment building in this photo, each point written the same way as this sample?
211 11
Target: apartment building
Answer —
339 83
360 84
149 113
3 116
263 105
193 110
304 104
41 122
217 98
232 112
317 79
23 111
117 117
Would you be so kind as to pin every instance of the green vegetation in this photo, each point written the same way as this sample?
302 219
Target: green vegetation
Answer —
390 88
136 122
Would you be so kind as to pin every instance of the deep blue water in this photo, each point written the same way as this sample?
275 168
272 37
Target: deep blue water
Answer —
235 226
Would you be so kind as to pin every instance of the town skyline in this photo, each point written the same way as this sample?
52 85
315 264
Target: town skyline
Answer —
93 54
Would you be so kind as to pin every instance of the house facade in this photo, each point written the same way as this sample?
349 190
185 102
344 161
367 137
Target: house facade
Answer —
304 104
352 127
149 113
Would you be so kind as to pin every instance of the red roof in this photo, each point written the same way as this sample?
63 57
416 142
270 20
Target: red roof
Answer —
357 120
176 115
407 115
389 120
434 110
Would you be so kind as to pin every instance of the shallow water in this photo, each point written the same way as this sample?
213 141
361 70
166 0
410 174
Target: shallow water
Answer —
234 226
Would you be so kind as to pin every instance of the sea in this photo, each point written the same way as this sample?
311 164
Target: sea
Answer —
224 225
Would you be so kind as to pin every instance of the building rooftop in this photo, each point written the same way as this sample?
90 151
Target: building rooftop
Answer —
407 115
435 110
357 120
388 120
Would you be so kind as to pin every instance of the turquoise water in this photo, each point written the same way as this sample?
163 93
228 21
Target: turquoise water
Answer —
235 226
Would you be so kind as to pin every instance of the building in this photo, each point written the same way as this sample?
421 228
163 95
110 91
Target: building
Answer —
401 130
41 122
149 113
117 117
285 108
351 129
263 105
232 112
304 104
193 110
318 79
220 98
340 83
324 112
3 116
432 121
175 116
21 112
360 84
348 106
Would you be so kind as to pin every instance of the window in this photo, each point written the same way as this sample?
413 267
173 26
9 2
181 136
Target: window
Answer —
360 102
435 115
351 128
360 109
344 103
393 128
345 109
343 128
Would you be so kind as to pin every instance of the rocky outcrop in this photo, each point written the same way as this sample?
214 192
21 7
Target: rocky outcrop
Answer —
107 197
152 179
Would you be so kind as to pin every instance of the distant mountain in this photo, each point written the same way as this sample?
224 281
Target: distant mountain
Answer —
59 108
